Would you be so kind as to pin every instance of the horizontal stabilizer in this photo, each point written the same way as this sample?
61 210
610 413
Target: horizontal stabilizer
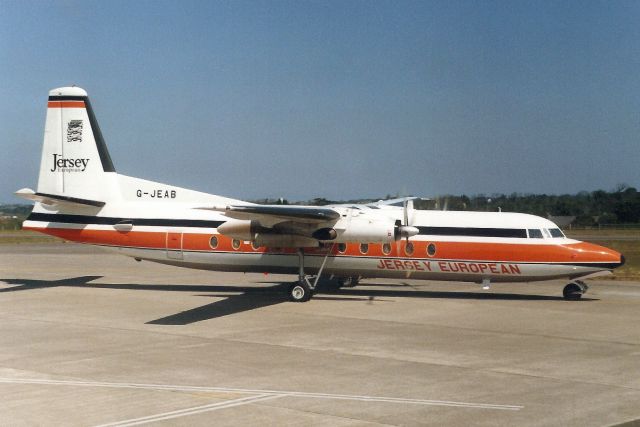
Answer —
52 199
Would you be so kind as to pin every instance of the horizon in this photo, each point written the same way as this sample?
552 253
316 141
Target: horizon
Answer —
258 200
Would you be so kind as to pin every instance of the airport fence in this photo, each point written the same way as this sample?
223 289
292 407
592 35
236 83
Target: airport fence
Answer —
602 227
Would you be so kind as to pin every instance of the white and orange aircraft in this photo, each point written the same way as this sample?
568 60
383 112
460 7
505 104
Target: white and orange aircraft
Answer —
81 198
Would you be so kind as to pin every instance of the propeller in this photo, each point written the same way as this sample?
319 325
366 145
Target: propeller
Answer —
404 229
440 205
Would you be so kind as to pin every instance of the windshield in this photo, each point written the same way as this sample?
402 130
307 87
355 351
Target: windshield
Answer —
556 232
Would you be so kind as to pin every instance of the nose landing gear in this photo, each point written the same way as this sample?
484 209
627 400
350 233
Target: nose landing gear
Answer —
574 291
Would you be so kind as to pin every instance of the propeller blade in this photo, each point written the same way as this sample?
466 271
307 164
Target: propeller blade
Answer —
405 212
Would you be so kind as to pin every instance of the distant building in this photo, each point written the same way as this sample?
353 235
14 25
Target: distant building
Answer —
562 221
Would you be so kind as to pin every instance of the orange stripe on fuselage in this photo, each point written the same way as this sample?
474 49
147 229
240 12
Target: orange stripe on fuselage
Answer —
580 252
65 104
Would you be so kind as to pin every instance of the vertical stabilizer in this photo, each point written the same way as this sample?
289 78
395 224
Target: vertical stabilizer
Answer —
75 161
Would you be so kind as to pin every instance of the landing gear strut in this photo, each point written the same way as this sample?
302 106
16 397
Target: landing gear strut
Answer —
574 291
303 289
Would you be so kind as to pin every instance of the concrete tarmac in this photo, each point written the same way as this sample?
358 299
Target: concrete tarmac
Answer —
91 338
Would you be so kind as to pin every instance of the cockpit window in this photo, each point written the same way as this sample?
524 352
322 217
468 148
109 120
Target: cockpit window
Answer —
556 232
546 233
535 233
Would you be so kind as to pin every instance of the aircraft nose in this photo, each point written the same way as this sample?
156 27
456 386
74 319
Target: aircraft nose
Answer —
591 253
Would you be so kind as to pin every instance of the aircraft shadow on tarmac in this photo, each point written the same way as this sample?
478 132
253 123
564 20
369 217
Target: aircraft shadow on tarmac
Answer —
245 298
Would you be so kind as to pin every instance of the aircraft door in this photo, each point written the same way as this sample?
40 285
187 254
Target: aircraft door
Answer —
174 245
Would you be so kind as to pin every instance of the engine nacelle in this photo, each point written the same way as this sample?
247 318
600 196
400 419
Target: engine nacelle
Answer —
355 230
367 231
325 234
262 236
239 229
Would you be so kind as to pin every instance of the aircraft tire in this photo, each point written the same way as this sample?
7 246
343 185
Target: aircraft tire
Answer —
349 282
300 292
572 292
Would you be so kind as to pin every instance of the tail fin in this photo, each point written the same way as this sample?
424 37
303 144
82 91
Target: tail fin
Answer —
75 161
76 171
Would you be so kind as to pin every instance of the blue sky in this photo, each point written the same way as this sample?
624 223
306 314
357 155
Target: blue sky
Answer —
338 99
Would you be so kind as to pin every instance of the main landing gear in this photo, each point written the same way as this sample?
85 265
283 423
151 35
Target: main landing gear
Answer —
574 291
348 282
303 289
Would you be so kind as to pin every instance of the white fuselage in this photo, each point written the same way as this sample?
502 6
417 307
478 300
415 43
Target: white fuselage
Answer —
162 225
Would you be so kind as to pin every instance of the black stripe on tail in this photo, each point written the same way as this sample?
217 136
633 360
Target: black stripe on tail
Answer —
105 158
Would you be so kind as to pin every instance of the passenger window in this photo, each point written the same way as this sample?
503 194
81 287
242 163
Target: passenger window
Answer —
534 233
364 248
556 232
431 249
408 249
342 247
386 248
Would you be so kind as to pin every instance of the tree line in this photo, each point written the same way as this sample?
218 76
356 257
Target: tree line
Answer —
621 206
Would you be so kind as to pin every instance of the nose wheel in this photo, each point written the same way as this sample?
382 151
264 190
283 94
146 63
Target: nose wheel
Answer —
574 291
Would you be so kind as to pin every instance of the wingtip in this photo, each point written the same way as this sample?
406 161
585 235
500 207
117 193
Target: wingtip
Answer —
25 193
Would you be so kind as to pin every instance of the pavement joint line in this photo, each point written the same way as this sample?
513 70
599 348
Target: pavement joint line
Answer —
277 393
192 411
557 378
478 330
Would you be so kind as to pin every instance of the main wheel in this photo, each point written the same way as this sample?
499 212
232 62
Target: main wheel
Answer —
349 282
300 292
572 291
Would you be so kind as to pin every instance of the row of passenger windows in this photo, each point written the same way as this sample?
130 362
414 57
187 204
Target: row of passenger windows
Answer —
235 243
409 249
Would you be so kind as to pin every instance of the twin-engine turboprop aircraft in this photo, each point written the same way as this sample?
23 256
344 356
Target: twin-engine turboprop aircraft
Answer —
81 198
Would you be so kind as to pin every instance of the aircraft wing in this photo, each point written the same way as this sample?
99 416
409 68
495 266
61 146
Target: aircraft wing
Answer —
278 213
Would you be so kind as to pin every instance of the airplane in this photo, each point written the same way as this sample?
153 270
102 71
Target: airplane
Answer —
81 198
